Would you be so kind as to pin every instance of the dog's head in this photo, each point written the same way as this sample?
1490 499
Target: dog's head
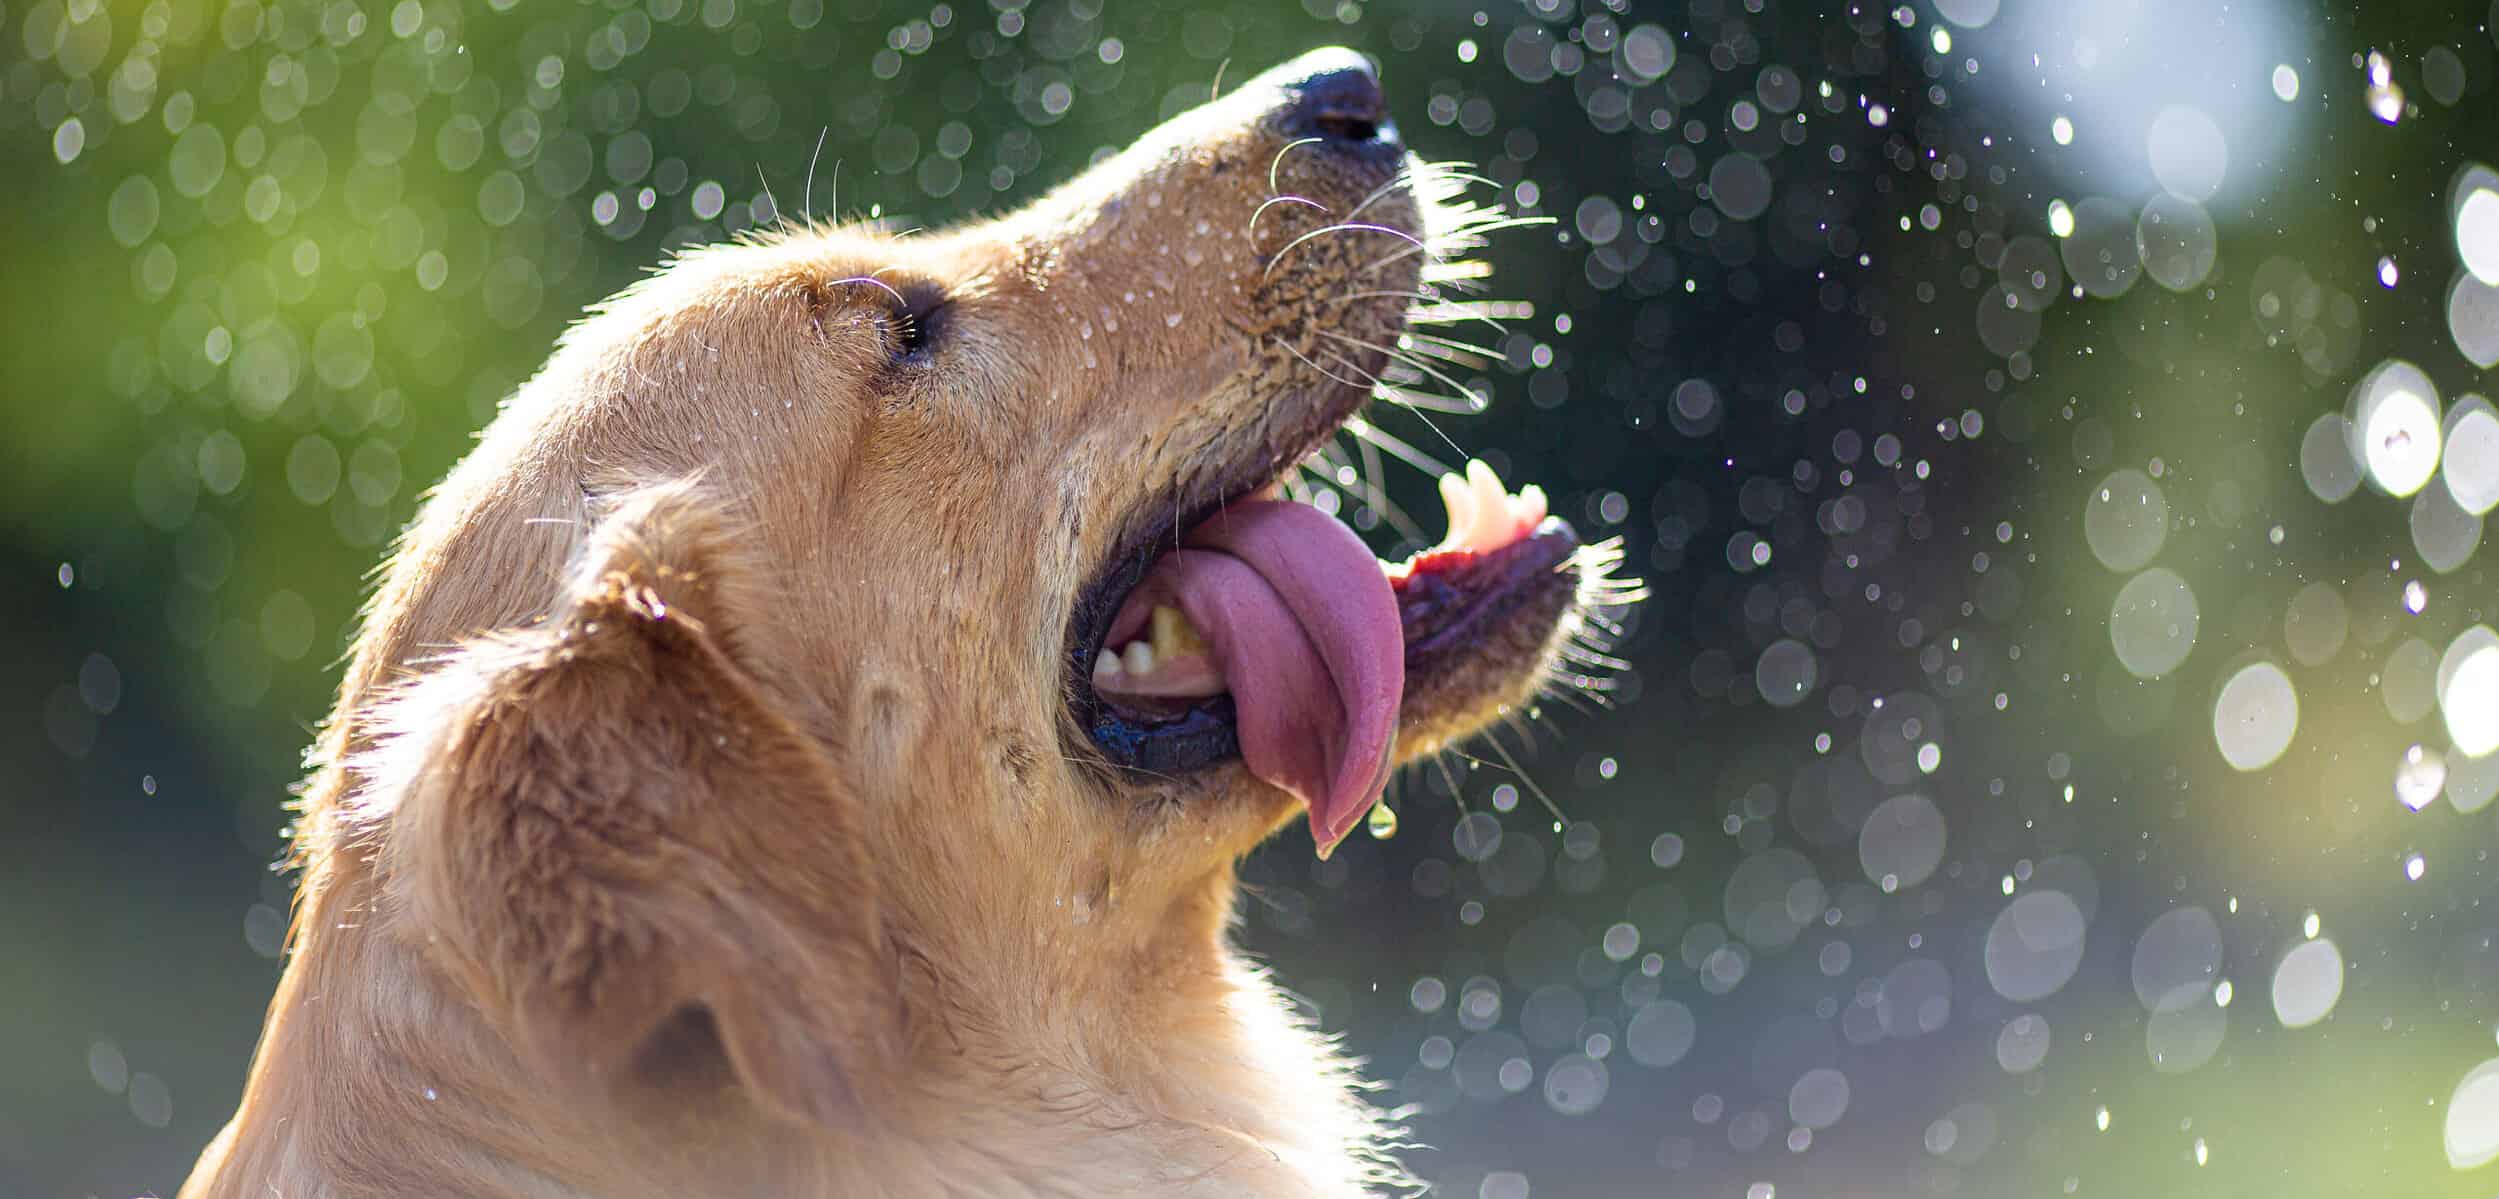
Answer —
840 606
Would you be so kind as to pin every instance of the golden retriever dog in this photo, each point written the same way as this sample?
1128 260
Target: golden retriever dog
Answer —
804 749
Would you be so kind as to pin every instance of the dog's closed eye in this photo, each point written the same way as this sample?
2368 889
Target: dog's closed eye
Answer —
910 337
916 323
911 316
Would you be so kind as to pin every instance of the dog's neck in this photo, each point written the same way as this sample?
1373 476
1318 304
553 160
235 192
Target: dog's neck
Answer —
1001 1094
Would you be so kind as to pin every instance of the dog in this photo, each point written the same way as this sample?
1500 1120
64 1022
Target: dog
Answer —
804 748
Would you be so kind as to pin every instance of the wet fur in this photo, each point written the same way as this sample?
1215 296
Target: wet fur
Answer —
701 814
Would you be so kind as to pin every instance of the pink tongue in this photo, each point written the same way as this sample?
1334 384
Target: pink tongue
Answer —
1302 619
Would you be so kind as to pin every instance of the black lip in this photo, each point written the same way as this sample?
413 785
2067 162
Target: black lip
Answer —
1443 608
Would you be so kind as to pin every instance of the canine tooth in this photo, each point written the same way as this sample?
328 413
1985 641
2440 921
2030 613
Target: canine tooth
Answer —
1483 515
1174 636
1106 666
1459 500
1490 495
1138 658
1492 506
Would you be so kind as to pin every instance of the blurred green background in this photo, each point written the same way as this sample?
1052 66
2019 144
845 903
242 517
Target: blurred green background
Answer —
2046 764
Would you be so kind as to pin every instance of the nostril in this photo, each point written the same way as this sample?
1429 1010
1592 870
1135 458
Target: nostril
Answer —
1345 128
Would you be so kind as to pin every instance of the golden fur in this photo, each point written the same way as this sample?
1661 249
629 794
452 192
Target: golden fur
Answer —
701 813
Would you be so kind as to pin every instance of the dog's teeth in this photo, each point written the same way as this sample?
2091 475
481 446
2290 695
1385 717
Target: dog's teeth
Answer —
1531 506
1492 507
1174 636
1490 496
1106 666
1483 515
1459 500
1138 658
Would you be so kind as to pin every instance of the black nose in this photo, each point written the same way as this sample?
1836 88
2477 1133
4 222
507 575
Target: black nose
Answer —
1340 100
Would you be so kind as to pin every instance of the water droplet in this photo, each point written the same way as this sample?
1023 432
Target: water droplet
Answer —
2385 96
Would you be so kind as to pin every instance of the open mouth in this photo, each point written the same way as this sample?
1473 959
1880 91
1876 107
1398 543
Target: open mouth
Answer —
1259 630
1270 634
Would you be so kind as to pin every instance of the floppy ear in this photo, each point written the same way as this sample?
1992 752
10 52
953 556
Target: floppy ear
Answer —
602 823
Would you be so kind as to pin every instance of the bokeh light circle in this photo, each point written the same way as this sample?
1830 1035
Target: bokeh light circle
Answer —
1902 842
2443 534
2189 155
2307 983
2022 1044
2475 215
2255 716
2100 253
2176 240
1785 673
2177 959
1968 14
2469 462
2326 463
2468 691
2473 319
2152 623
2394 427
1660 1034
1819 1098
2472 1130
2034 946
2125 520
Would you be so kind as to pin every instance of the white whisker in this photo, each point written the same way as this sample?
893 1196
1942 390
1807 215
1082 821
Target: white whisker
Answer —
1420 247
1492 312
1305 359
1405 178
1415 244
1398 448
1425 401
1272 201
1468 399
780 218
1452 350
1375 493
1272 187
807 195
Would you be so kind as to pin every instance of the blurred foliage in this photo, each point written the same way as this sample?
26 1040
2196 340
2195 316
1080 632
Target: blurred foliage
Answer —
1955 376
